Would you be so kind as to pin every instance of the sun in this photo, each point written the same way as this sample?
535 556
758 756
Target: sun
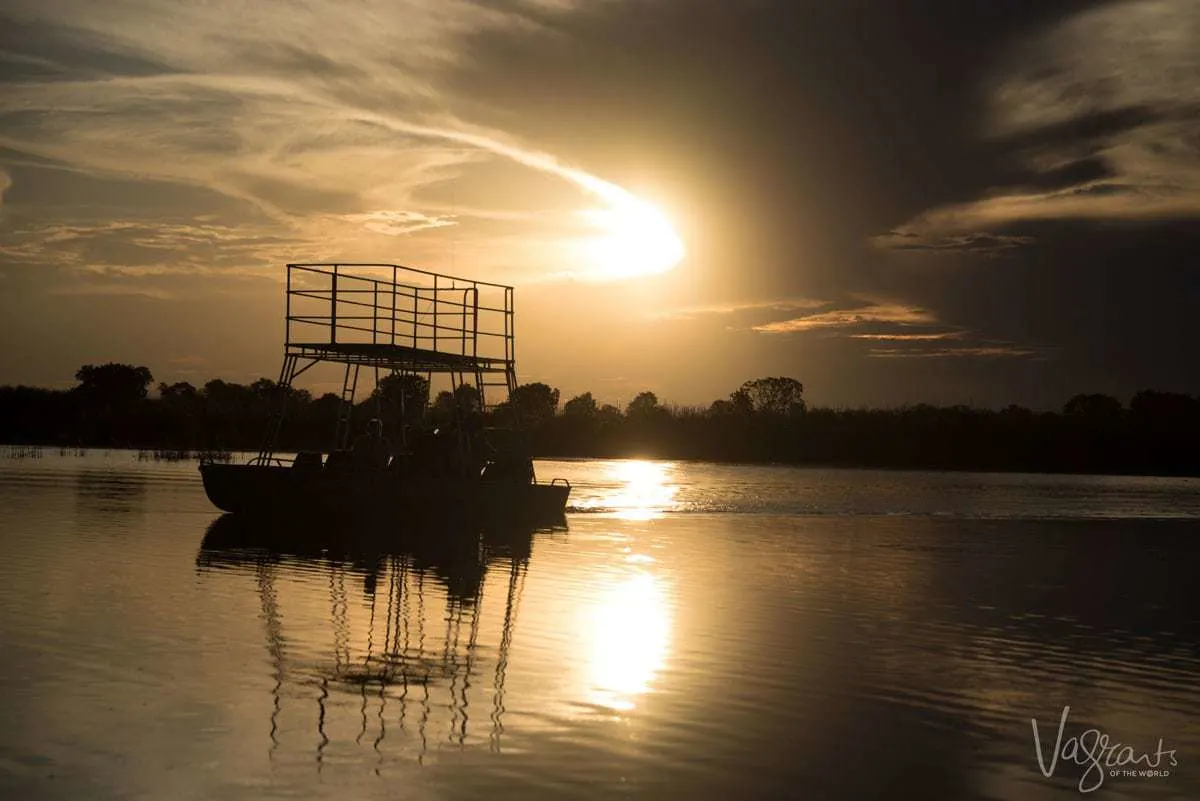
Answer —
635 238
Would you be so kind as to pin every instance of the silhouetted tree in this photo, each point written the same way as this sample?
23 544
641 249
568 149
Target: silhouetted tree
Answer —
264 388
443 404
1164 408
1093 407
401 398
180 400
725 408
466 398
181 391
581 407
327 405
778 396
1160 432
535 403
112 385
224 397
608 414
643 406
319 418
1012 411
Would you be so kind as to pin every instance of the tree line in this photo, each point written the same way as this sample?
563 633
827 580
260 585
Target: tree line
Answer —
764 420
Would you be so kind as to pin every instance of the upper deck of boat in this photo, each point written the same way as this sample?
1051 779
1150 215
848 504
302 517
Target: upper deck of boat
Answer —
397 357
400 318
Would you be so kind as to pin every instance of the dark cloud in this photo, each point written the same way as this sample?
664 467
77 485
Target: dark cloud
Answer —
1074 174
282 58
299 198
1088 131
982 243
47 51
1116 300
45 185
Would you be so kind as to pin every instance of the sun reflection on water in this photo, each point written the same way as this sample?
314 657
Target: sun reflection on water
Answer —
646 489
629 629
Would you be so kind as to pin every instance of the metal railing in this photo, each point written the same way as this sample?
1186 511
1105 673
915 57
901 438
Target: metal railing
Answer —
334 305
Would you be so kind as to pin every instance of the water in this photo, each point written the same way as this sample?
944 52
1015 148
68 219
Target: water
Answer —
697 631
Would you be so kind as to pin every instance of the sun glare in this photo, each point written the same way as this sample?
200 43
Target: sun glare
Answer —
630 630
645 492
636 238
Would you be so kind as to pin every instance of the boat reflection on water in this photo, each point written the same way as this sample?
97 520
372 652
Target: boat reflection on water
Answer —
391 662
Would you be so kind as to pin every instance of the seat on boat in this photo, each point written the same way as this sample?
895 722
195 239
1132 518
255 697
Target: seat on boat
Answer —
339 460
400 463
509 469
307 460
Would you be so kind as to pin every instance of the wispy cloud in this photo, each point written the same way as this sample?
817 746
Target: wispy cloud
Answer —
328 123
399 223
976 351
875 313
724 309
108 289
1101 114
896 337
894 330
978 243
142 247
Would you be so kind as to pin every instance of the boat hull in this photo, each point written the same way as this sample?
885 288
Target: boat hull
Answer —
287 491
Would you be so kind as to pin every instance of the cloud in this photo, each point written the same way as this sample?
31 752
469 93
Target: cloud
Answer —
893 330
110 289
1115 56
724 309
5 183
976 352
136 248
326 122
874 313
979 243
897 337
1100 117
399 223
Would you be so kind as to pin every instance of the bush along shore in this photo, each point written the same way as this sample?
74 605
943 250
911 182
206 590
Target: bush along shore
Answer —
765 420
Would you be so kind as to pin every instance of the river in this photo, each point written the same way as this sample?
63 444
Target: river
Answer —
695 631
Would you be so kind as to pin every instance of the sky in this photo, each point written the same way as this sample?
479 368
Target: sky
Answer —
893 201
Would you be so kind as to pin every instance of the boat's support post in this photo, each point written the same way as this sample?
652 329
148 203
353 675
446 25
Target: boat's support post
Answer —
341 434
472 643
459 413
270 614
481 389
402 447
378 396
279 407
516 576
510 377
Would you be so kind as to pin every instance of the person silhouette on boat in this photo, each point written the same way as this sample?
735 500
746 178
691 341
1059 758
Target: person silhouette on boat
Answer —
371 450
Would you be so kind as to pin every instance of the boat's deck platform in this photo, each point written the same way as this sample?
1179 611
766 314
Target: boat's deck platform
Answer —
393 317
398 357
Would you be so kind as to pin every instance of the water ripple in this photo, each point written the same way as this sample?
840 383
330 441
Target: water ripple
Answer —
700 631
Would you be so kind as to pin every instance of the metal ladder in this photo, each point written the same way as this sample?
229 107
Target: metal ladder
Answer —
509 384
278 408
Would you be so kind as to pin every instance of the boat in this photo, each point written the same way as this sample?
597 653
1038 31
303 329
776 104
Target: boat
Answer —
393 321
